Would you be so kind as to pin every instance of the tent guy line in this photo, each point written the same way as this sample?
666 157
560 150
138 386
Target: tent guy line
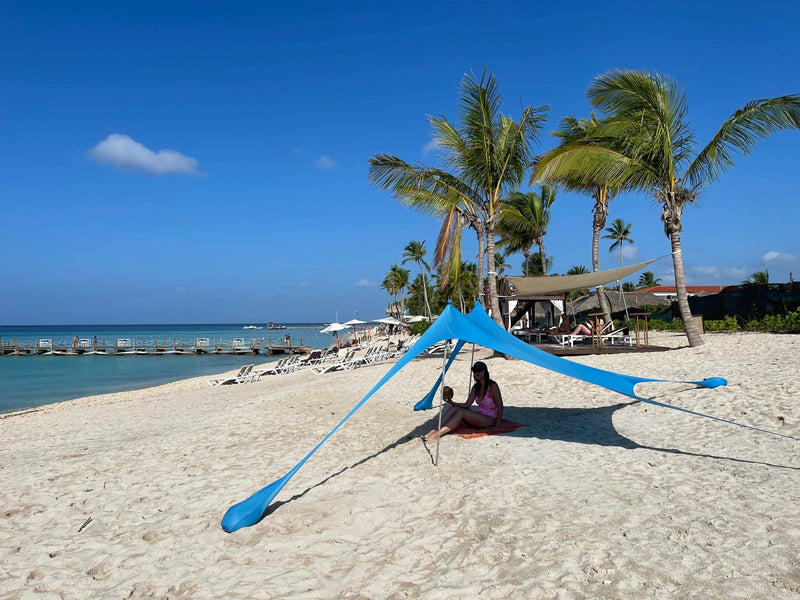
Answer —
478 328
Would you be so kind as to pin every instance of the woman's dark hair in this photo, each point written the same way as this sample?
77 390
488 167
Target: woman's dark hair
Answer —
487 380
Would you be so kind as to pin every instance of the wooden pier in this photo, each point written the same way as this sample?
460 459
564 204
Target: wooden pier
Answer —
149 347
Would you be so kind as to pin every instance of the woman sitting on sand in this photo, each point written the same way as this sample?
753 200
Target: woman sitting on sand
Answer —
487 412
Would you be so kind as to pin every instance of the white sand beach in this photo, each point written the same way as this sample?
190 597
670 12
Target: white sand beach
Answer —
121 496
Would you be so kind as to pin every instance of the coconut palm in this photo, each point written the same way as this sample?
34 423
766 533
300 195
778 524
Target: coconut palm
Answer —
486 154
416 251
577 270
580 131
500 263
533 266
647 144
524 220
461 285
620 232
758 278
648 280
395 282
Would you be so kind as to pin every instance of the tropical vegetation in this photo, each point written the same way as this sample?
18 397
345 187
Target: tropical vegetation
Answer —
486 154
648 280
637 138
758 278
643 141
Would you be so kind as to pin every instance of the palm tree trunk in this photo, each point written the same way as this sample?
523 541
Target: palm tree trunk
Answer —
494 301
425 291
680 287
542 259
598 223
526 254
601 294
480 229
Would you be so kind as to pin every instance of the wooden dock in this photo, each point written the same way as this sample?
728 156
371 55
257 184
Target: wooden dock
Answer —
149 347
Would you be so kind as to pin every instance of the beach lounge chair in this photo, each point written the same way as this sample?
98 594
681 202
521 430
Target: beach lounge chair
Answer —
439 348
567 339
334 366
243 376
619 337
359 357
284 365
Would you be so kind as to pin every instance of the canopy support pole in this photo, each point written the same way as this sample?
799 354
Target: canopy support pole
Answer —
441 404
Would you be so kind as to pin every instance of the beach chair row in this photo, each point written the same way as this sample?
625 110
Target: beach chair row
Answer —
322 361
246 374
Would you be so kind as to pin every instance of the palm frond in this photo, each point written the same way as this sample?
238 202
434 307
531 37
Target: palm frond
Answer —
426 189
756 121
647 114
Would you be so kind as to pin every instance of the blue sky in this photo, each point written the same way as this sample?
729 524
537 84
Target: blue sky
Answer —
207 161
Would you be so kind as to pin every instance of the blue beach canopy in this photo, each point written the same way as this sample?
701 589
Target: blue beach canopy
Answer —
477 328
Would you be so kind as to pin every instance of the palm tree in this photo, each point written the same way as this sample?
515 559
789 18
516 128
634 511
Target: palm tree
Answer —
416 251
620 232
390 285
648 280
533 266
647 145
395 283
524 220
401 277
487 154
758 278
577 270
500 263
575 131
461 285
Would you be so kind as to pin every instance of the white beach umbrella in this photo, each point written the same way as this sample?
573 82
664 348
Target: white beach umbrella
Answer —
333 328
353 322
388 321
416 318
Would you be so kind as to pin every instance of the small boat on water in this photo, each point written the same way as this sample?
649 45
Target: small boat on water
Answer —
251 327
272 325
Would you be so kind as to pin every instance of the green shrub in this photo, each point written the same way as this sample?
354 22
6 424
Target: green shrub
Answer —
420 327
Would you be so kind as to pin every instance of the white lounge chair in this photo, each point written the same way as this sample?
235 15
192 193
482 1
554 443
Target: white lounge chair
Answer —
619 337
243 376
568 339
334 366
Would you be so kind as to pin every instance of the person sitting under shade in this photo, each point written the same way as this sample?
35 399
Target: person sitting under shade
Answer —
488 410
564 325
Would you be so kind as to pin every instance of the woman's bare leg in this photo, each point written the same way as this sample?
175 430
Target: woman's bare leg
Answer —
456 416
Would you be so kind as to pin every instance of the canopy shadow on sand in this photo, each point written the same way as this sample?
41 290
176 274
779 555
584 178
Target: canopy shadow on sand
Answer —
588 426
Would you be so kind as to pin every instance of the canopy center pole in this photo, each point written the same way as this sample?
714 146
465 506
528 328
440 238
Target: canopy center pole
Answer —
441 404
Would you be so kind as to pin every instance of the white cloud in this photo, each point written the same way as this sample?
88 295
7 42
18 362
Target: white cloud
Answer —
734 273
325 162
629 252
124 152
365 283
429 148
773 258
704 273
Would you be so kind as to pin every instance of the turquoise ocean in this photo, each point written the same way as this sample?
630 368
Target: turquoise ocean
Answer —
30 381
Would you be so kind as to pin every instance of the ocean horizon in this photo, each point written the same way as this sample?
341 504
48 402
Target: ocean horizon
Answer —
28 381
